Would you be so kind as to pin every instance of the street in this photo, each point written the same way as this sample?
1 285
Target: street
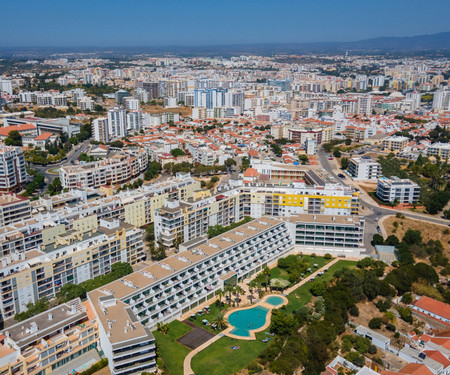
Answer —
367 202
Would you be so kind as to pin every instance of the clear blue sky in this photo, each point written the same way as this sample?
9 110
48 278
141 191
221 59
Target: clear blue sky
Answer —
109 23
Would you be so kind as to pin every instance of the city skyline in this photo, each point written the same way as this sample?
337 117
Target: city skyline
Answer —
109 24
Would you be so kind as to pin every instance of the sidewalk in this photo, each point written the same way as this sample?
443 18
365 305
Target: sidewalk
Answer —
187 369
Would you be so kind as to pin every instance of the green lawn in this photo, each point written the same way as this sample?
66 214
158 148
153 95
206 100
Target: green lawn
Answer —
302 295
279 273
220 359
171 351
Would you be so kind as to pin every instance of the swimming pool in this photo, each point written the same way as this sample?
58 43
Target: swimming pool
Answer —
274 300
247 320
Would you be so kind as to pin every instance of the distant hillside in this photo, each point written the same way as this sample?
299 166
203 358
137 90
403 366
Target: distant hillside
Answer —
415 44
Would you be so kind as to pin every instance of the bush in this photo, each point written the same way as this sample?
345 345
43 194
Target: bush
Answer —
405 314
407 298
372 349
327 256
397 335
375 323
390 327
354 311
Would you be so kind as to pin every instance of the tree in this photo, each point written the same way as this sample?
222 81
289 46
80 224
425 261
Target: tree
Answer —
375 323
230 162
348 141
177 152
345 163
117 144
55 187
266 273
337 154
318 288
220 322
412 237
303 159
377 239
14 138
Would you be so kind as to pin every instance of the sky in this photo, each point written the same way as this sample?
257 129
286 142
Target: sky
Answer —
146 23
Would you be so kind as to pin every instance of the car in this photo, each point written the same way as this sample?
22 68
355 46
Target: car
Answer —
340 175
378 213
378 229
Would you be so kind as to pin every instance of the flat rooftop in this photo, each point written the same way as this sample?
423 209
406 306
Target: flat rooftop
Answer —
326 219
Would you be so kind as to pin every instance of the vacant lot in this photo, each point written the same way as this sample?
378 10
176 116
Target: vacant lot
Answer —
429 231
185 111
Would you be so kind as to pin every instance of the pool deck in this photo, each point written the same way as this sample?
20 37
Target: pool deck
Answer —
252 332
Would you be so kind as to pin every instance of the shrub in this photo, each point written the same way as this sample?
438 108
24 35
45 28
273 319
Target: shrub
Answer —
354 311
407 298
375 323
397 335
390 327
95 367
327 256
372 349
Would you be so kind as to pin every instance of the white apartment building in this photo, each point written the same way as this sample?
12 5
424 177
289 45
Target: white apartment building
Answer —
6 86
27 97
86 103
439 149
117 123
322 234
100 129
13 175
364 105
364 168
131 103
441 100
67 256
13 208
135 121
117 169
397 190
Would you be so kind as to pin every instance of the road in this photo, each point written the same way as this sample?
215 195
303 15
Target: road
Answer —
71 157
367 202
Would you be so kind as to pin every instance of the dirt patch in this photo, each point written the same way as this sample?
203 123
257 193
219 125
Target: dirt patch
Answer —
429 231
185 111
367 186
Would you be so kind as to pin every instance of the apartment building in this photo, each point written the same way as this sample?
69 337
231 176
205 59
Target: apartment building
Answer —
397 190
47 341
321 234
117 169
180 221
100 130
13 208
13 175
167 289
128 344
439 149
279 172
65 256
395 143
364 168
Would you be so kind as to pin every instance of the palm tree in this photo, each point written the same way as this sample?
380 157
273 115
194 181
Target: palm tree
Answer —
220 322
229 291
266 273
220 295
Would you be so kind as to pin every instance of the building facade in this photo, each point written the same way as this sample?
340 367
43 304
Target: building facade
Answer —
397 190
13 175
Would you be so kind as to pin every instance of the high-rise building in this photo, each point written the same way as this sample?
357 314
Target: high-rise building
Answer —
364 105
117 120
135 121
441 99
100 130
13 175
6 86
209 98
131 103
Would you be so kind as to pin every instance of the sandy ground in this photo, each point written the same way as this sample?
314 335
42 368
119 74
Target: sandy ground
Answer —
429 231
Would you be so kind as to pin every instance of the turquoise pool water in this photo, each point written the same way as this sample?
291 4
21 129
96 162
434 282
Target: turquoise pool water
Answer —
247 320
274 300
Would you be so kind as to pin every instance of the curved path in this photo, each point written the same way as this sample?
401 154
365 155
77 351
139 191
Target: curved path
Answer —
187 369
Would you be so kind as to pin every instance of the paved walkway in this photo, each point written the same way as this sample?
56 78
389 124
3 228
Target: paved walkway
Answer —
306 279
187 369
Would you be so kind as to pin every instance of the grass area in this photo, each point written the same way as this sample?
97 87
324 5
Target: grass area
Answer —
53 170
279 273
373 195
220 359
302 295
214 311
171 351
